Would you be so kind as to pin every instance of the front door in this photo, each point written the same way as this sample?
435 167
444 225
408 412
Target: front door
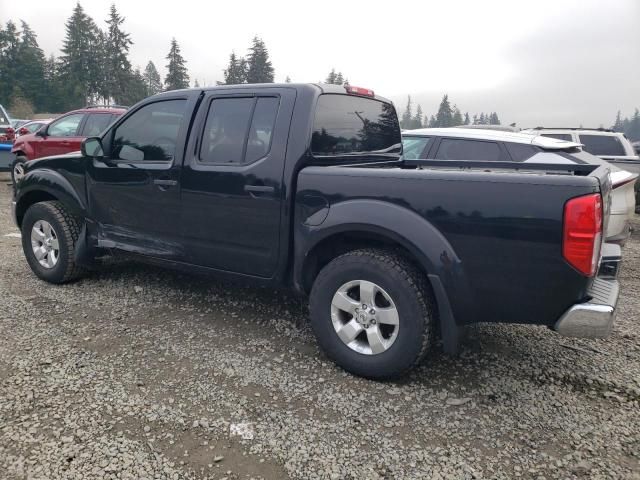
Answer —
134 192
232 192
61 137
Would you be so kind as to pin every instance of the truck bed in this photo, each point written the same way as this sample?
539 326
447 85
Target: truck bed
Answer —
494 231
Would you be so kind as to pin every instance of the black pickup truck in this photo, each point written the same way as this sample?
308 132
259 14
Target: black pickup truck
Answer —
304 186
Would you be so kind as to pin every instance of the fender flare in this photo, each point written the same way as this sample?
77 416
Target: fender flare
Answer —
405 227
51 183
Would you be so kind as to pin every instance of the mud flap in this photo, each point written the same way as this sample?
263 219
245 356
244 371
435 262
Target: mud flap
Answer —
449 330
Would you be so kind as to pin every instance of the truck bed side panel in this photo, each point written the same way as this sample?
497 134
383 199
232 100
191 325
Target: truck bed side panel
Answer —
504 229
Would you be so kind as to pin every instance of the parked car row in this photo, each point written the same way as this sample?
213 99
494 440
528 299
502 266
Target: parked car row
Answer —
60 136
284 185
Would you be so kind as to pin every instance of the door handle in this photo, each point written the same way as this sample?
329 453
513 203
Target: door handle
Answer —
165 182
259 188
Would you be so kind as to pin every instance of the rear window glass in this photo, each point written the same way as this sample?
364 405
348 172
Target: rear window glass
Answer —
414 148
558 136
520 152
350 125
602 144
456 149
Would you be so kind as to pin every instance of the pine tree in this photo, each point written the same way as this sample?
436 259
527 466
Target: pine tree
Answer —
236 72
467 120
30 68
433 122
331 78
196 84
152 80
417 119
81 67
339 79
457 117
407 116
177 76
118 72
259 68
633 128
482 120
444 117
476 120
493 119
136 88
287 80
9 54
618 126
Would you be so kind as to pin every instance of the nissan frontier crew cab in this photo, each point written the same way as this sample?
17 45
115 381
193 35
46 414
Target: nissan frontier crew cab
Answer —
304 186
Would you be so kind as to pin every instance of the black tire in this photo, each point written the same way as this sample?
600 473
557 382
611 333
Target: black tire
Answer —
408 288
19 160
67 229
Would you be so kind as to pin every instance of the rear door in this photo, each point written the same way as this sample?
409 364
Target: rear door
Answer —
62 136
232 192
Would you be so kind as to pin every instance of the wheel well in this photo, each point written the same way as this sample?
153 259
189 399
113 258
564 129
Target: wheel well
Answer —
340 243
19 153
29 199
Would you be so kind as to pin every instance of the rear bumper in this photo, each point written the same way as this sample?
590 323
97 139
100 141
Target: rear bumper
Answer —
593 319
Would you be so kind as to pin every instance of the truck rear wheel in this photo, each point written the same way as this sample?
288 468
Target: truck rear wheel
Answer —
371 311
49 236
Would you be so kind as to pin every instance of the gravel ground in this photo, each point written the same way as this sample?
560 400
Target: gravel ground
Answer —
138 372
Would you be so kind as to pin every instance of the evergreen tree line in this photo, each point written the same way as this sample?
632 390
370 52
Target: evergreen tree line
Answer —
629 126
447 116
256 67
93 68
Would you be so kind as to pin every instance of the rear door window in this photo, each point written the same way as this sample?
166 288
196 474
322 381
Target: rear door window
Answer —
414 148
558 136
347 125
602 145
96 123
458 149
238 130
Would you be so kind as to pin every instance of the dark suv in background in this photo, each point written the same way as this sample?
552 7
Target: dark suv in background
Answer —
62 135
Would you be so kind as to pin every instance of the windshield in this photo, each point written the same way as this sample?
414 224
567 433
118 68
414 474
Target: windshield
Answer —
347 125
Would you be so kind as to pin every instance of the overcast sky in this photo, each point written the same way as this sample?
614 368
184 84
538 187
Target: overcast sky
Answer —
560 62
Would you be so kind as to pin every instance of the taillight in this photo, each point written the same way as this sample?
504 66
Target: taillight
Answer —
359 91
582 233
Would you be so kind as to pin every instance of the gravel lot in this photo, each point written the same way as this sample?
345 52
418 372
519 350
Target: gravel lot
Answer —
138 372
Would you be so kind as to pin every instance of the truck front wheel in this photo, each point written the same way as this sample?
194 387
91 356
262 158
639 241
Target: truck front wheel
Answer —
49 236
372 313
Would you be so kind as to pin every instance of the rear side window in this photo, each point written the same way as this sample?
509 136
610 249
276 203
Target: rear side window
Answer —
96 123
520 152
347 125
602 144
558 136
457 149
414 148
238 130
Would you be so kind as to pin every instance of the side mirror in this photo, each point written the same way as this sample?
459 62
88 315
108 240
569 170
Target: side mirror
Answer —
92 147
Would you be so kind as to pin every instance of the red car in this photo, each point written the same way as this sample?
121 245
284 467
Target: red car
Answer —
62 135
